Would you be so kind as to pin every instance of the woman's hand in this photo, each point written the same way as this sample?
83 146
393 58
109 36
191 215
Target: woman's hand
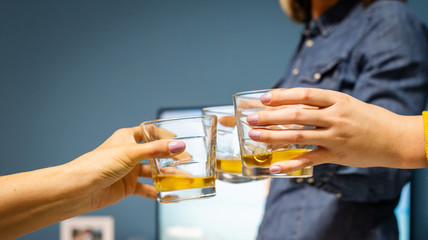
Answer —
114 167
36 199
347 131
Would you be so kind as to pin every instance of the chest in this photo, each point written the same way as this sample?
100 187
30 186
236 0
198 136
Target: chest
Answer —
327 61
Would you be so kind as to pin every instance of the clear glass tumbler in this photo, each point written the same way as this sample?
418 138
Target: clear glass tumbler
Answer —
258 156
228 157
191 174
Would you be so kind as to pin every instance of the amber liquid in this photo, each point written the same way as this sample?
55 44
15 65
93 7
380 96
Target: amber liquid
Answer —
229 165
267 159
172 183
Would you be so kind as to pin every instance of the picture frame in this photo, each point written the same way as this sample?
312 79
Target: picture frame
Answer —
87 228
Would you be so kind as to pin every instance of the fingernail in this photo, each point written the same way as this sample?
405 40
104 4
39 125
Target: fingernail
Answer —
275 169
254 134
265 98
253 118
176 146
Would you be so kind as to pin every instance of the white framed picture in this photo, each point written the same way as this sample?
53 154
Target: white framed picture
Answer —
87 228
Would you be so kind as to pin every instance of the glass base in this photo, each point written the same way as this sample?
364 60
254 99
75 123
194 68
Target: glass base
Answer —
234 177
264 172
186 194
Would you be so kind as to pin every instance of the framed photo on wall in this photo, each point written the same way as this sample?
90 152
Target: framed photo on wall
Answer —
87 228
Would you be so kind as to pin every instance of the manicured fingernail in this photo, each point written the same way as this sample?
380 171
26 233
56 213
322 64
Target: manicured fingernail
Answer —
253 118
176 146
265 98
254 134
275 169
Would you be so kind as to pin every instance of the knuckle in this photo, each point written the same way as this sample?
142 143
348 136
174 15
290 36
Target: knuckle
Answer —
121 131
305 94
307 162
298 137
344 98
295 114
155 148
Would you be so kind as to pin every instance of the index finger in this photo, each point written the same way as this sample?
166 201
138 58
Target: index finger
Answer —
157 149
155 132
308 96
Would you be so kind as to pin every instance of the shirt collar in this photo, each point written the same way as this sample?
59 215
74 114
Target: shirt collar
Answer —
326 23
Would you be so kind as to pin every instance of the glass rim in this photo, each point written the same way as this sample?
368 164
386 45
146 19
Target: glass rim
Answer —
241 94
177 119
218 109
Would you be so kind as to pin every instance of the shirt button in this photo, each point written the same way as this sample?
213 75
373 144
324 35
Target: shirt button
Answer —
338 195
311 180
309 43
299 180
295 71
317 76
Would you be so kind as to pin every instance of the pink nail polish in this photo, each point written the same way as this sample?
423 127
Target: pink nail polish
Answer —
254 134
253 118
176 146
275 169
265 98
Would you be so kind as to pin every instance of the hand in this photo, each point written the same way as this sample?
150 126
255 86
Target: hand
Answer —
35 199
113 168
348 131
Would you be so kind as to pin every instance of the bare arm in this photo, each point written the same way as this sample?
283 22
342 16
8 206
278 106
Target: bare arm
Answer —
104 176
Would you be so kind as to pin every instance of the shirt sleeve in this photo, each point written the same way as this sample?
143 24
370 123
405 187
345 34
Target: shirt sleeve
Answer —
392 72
392 59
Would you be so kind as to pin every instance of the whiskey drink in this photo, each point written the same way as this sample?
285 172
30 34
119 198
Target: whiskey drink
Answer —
267 159
264 160
173 183
229 165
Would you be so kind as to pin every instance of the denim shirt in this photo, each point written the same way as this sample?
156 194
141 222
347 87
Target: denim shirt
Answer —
378 54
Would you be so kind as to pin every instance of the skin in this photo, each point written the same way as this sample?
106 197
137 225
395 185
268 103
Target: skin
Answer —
318 7
102 177
348 131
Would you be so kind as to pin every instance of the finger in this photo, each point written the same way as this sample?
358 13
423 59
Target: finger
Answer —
289 136
307 117
183 157
248 104
174 171
308 96
155 133
312 158
227 121
144 170
157 149
123 136
145 190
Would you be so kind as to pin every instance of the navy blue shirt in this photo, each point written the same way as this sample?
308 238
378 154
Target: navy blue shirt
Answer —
378 54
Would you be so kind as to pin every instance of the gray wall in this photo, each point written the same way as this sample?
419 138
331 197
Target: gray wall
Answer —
71 72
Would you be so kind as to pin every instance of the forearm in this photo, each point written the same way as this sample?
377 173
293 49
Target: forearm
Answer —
413 147
36 199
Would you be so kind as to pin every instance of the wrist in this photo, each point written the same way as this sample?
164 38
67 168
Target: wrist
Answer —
412 150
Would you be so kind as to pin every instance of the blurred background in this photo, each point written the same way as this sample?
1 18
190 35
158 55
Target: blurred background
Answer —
72 72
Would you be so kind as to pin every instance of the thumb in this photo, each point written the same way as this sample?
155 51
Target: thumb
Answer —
156 149
312 158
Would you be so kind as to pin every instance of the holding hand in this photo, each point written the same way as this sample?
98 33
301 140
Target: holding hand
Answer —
104 176
114 166
347 131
